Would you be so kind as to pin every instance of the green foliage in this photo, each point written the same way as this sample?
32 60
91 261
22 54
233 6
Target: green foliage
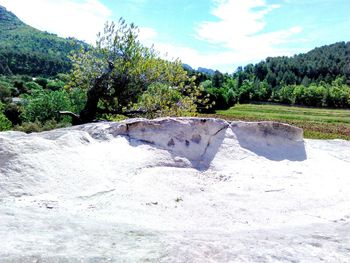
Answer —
5 91
135 69
217 79
32 86
162 100
246 91
236 88
5 124
44 105
26 50
55 85
42 81
13 112
114 117
77 98
320 64
335 94
221 97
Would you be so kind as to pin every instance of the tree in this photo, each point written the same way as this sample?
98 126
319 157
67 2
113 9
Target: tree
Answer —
118 70
218 79
44 105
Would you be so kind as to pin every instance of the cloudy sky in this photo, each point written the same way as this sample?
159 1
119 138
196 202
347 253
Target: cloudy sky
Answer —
218 34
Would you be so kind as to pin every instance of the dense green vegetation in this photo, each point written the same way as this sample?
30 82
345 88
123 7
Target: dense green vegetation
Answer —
318 78
119 76
26 50
317 123
42 75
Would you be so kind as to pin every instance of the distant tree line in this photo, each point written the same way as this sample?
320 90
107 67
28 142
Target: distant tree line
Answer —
318 78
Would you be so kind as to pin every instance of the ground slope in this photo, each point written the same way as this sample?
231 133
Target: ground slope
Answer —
174 190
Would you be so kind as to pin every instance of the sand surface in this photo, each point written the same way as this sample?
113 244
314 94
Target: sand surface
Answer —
174 190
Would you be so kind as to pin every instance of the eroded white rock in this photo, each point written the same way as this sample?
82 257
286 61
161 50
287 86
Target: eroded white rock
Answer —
174 190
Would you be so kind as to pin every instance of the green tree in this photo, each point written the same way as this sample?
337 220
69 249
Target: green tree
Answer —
44 105
218 79
162 100
118 70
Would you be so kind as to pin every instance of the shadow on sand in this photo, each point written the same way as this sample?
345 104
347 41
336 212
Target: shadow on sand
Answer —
272 147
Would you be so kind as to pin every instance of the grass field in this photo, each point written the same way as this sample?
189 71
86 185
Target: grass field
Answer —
317 123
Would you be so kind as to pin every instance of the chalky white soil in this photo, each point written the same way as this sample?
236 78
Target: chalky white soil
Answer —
174 190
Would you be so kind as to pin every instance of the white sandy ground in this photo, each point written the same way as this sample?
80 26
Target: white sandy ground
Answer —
90 194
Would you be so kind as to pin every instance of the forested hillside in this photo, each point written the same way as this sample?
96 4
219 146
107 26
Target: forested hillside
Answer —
26 50
320 64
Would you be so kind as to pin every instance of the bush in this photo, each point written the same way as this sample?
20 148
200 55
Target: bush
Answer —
41 81
5 91
5 124
338 96
44 105
220 97
32 86
286 95
55 85
313 95
246 91
13 113
161 100
77 98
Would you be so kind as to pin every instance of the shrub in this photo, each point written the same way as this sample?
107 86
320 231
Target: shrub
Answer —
5 91
44 105
55 85
12 112
5 124
162 100
41 81
32 86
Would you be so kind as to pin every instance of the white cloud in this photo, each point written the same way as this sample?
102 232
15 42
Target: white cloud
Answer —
82 19
225 61
239 30
238 34
147 34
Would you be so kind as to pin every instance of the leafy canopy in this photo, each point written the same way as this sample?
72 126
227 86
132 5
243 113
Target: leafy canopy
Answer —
126 69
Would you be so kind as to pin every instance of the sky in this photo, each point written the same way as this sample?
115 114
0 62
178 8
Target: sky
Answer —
216 34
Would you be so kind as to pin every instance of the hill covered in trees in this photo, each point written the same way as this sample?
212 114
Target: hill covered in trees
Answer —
320 64
26 50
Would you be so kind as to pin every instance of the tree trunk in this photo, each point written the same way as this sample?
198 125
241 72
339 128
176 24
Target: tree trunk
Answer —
88 114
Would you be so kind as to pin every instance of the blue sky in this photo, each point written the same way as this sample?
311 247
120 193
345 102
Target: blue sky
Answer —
218 34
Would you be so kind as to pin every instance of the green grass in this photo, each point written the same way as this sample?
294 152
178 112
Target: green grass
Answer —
317 123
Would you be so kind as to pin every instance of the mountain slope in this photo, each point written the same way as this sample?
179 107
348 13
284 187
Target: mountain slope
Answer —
324 63
26 50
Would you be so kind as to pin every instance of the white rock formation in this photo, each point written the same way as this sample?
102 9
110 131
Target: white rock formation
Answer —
174 190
